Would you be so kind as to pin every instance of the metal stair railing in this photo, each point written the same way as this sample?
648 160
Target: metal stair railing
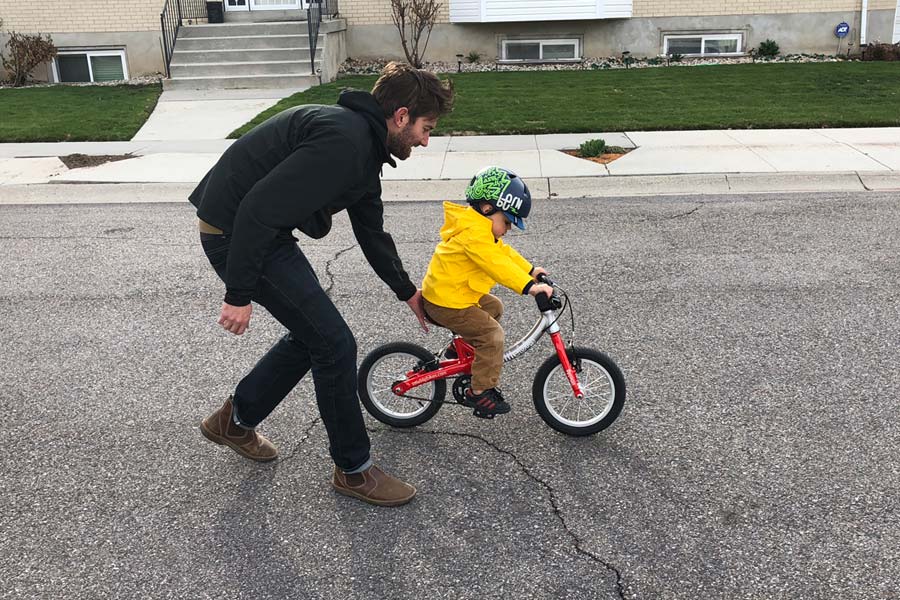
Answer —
317 9
172 17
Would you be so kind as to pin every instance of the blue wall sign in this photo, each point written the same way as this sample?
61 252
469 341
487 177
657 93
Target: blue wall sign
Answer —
842 30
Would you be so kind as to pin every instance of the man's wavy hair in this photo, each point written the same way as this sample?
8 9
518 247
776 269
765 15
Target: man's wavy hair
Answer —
419 91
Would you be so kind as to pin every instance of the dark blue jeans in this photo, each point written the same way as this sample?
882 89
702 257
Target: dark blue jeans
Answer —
318 338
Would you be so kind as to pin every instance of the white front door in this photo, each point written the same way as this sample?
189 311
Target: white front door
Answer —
237 5
897 24
274 4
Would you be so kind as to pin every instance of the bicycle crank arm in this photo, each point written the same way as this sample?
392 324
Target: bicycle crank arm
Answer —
429 400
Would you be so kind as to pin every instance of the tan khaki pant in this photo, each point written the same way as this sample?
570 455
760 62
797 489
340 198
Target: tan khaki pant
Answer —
478 326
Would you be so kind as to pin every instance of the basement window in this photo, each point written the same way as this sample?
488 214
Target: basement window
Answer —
73 66
703 44
540 50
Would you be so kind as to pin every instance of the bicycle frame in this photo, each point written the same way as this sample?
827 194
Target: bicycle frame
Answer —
462 365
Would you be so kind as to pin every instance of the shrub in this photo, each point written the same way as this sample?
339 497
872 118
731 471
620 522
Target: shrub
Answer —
675 57
25 53
413 20
615 150
768 49
473 57
592 148
881 51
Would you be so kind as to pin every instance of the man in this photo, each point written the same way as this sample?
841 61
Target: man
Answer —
295 171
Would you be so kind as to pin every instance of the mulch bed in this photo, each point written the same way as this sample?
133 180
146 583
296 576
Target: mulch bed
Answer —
602 159
78 161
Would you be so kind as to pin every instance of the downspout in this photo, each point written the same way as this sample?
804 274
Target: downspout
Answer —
864 23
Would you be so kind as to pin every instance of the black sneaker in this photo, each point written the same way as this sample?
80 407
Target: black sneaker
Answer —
487 404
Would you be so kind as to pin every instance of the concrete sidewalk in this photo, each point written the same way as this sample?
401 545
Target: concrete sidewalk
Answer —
660 162
206 114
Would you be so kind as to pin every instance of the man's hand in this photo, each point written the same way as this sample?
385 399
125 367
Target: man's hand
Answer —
235 319
417 306
537 272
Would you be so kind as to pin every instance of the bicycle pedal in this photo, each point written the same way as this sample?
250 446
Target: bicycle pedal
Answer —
483 415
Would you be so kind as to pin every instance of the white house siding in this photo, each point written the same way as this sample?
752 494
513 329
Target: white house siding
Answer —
465 11
510 11
616 9
538 10
896 37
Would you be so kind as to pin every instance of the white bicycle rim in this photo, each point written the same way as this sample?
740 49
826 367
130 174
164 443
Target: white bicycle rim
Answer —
387 370
599 394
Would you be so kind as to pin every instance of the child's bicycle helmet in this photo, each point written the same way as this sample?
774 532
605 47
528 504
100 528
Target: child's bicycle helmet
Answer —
504 191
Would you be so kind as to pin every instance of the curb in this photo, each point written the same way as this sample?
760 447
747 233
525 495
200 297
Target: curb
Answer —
553 188
560 188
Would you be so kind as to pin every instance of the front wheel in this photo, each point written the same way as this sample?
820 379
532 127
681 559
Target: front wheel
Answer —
600 380
388 364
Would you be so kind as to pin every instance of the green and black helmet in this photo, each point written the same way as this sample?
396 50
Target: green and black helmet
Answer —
503 190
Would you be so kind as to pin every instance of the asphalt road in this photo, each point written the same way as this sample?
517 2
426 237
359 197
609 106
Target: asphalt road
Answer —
756 456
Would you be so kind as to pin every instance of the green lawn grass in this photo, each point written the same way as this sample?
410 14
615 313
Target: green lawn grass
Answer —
844 94
75 113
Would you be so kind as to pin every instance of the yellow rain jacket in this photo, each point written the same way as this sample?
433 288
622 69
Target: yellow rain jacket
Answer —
468 261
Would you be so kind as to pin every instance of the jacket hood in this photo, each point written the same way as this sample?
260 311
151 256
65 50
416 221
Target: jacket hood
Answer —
459 218
366 106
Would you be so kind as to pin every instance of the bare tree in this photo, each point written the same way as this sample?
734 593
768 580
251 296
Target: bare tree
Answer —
25 53
413 19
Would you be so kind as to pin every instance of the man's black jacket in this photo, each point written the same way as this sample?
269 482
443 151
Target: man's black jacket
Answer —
293 172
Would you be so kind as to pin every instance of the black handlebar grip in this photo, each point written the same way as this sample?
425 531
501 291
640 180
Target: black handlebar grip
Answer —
543 302
544 278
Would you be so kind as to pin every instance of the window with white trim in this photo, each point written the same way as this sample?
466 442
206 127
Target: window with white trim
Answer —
71 66
540 50
704 44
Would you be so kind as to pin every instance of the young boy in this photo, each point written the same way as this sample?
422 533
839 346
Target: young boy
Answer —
469 260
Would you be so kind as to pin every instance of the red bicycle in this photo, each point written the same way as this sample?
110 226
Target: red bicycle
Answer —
578 391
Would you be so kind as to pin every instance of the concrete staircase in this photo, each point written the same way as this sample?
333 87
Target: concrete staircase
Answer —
244 55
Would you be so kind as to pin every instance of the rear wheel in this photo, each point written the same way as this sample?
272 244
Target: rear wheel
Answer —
385 366
600 380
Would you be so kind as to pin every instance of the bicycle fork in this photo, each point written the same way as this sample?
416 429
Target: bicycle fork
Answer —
569 370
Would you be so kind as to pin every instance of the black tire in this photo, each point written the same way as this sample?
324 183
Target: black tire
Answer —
402 357
608 386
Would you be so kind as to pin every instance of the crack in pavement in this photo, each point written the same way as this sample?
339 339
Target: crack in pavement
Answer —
330 262
307 432
678 216
556 229
557 511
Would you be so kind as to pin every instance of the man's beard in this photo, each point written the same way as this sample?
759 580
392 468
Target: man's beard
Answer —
400 144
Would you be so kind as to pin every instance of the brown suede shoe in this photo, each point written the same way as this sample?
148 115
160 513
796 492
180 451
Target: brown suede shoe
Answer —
220 428
373 486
